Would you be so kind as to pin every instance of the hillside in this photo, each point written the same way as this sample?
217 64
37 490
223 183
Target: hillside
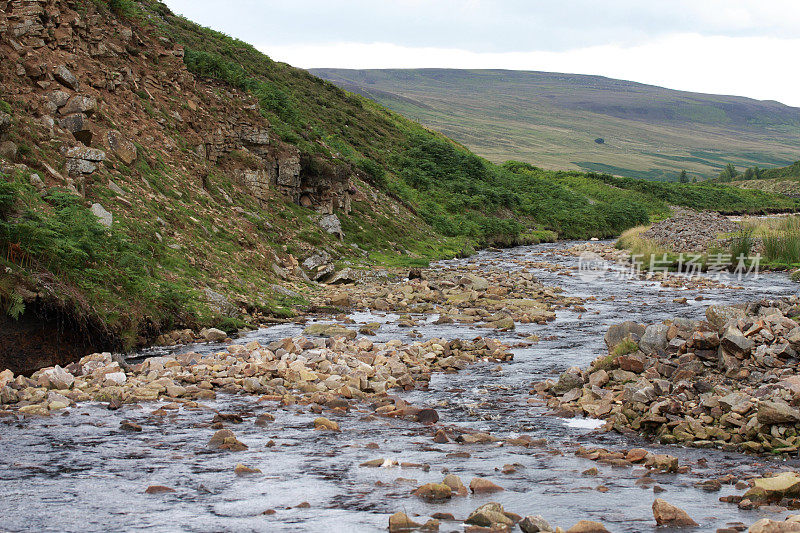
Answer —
159 175
783 180
552 120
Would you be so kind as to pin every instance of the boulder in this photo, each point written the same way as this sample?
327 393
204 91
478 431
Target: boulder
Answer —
80 104
568 381
213 335
776 412
325 424
332 225
489 515
667 514
774 489
433 492
121 147
534 524
588 526
719 315
57 378
224 439
329 330
66 78
765 525
5 122
736 343
455 484
399 522
619 332
654 341
103 217
480 485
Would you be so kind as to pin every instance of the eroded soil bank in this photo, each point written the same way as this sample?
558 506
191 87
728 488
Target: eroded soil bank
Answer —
459 411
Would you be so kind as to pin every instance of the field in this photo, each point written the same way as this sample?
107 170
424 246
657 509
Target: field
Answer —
554 120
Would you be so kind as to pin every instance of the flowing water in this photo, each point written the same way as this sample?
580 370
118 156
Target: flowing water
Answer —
79 472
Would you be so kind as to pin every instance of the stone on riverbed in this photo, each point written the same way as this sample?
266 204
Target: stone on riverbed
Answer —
588 526
455 484
619 332
433 492
667 514
489 515
535 524
480 485
399 522
213 335
224 439
329 330
769 489
324 424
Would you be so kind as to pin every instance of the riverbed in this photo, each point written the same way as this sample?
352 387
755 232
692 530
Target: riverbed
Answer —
79 472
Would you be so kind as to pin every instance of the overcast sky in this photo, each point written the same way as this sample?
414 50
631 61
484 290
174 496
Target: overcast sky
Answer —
743 47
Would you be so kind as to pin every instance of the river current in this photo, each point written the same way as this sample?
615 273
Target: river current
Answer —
79 472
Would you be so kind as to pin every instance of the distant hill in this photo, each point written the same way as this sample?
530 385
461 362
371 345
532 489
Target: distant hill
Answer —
570 121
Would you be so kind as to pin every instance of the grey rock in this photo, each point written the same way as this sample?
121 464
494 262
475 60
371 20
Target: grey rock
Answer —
116 188
8 150
80 166
534 524
213 335
66 78
317 260
619 332
5 122
736 343
332 225
719 315
220 303
654 340
88 154
103 217
568 381
80 104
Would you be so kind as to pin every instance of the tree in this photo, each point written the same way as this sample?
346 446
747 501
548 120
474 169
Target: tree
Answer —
684 177
729 173
748 174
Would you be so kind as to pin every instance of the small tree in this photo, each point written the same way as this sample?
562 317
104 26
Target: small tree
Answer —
729 173
684 177
748 174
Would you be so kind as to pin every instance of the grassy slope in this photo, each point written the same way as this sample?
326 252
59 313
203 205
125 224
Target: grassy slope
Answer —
175 238
552 120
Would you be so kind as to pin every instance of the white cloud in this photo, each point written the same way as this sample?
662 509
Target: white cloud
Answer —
757 67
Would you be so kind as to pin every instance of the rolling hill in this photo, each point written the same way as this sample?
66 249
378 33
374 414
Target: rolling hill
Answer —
590 123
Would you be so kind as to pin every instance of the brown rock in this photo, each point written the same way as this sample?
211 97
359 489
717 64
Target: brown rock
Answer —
433 492
158 489
669 515
483 486
588 526
399 521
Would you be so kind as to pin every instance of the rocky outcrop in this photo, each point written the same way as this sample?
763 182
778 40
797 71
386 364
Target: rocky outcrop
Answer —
73 64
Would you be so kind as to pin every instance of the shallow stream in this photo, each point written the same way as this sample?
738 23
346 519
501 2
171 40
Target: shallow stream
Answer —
80 472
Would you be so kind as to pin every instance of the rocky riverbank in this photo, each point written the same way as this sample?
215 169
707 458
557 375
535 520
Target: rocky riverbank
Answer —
729 381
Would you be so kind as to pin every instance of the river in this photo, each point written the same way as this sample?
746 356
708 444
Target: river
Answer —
79 472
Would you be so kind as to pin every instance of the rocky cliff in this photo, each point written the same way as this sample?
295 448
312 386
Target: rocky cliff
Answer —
184 174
